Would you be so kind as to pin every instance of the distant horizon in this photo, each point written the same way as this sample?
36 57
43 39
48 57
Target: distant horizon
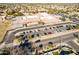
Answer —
65 4
39 1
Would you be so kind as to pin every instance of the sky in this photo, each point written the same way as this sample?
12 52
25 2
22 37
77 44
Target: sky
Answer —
39 1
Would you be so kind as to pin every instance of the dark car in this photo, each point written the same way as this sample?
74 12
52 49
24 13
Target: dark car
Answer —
38 35
33 36
45 33
24 32
30 31
50 28
37 41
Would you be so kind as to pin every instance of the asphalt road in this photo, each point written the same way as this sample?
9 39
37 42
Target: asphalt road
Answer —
55 40
73 45
9 37
59 39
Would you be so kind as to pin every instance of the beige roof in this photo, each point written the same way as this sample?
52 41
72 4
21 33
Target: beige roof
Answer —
44 17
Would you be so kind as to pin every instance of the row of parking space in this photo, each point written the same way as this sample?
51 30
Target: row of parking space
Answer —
43 31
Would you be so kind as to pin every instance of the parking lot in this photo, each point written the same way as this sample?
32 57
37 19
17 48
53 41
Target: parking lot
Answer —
35 33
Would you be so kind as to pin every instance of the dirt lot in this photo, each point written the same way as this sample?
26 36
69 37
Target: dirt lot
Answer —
4 26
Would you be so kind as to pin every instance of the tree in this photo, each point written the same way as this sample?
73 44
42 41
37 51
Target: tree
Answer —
40 22
18 14
77 26
10 12
63 19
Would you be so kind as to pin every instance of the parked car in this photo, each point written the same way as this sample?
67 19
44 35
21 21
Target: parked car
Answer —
32 35
49 32
37 41
45 33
